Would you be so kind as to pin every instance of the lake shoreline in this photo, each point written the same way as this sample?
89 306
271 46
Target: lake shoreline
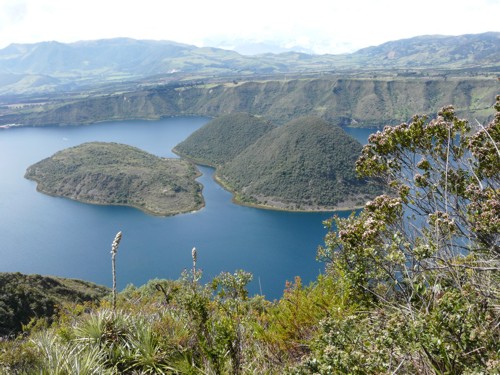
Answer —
142 209
235 200
317 209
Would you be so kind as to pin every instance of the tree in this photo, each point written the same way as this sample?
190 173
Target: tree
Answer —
429 249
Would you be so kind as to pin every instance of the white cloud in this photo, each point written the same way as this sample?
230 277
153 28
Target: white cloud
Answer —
325 25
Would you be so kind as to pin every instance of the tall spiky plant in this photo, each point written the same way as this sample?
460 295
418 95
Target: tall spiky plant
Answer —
194 255
196 274
114 249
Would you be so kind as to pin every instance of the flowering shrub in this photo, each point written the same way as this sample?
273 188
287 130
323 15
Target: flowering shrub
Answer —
425 257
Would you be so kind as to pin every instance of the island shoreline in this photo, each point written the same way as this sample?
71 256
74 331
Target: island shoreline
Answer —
234 193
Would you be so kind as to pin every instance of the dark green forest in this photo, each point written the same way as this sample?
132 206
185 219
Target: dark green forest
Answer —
223 138
307 164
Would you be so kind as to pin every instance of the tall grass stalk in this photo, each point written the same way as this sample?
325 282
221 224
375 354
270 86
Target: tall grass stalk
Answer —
114 249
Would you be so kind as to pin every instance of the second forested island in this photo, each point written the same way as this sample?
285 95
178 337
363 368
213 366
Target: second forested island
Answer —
118 174
307 164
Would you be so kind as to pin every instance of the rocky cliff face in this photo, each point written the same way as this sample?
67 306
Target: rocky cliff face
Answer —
346 102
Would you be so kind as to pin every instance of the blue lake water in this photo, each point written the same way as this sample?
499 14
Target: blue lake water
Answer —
57 236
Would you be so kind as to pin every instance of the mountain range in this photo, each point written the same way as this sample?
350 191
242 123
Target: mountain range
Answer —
54 66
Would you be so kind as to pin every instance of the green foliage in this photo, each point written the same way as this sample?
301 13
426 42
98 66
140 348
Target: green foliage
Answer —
452 334
18 357
223 138
111 173
288 328
60 358
181 327
26 297
305 164
423 261
355 344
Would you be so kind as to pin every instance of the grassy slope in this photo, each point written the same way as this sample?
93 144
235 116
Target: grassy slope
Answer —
305 164
25 297
110 173
223 138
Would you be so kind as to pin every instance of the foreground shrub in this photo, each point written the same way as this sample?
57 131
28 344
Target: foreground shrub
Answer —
424 260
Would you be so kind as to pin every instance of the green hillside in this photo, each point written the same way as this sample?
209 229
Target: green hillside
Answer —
113 61
471 50
345 101
111 173
306 164
223 138
24 297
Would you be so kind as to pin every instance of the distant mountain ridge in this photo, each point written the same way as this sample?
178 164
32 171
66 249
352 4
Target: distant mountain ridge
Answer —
437 50
122 54
342 101
122 59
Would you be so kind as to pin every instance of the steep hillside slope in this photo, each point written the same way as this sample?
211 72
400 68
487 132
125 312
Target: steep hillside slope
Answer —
111 173
223 138
306 164
343 101
25 297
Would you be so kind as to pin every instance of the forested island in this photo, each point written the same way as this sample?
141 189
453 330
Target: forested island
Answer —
304 165
117 174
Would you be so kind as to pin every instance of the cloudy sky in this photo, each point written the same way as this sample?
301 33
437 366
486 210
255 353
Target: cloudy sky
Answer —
324 26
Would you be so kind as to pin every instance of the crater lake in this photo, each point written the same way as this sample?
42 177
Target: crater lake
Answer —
57 236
